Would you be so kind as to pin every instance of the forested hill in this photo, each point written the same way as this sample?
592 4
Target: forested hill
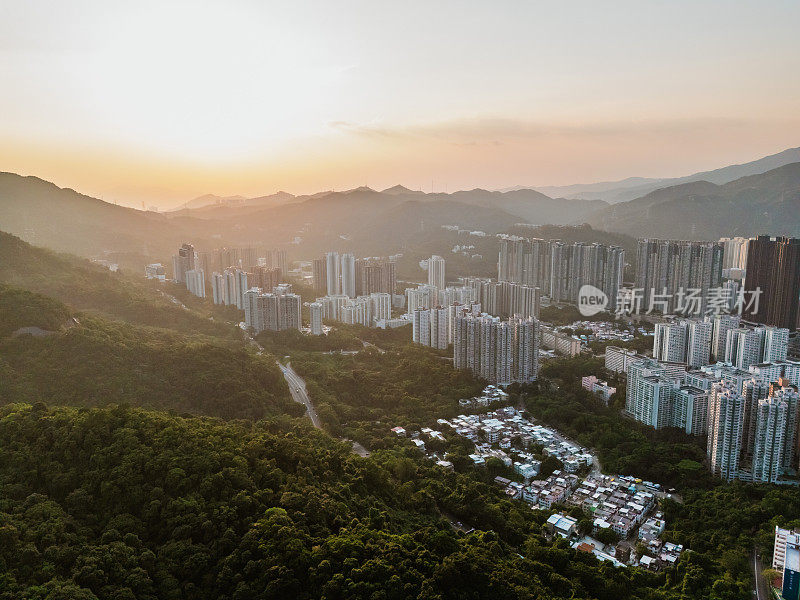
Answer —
122 503
85 286
91 361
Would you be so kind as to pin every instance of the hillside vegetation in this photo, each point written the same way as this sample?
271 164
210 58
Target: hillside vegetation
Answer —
85 286
122 503
99 362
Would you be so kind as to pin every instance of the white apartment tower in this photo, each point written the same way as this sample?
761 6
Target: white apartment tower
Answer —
725 424
769 449
332 266
436 275
669 341
421 326
195 282
722 324
439 329
698 344
315 318
348 274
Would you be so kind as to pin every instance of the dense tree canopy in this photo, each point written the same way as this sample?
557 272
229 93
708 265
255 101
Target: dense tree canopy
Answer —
122 503
97 362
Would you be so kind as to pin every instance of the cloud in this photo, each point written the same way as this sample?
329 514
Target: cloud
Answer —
492 130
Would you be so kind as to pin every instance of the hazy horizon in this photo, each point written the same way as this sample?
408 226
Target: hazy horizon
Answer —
161 104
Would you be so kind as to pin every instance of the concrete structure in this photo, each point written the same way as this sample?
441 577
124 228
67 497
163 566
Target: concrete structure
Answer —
725 424
666 267
155 271
499 351
436 272
315 318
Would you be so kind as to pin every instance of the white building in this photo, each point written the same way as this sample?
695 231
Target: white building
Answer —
619 359
196 282
155 271
423 296
669 341
725 424
348 274
421 326
436 274
721 325
381 306
501 352
315 318
698 343
274 310
332 270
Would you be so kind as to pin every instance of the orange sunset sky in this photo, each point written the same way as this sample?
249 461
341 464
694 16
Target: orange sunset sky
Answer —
160 102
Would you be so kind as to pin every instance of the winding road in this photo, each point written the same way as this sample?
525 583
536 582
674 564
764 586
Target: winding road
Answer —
761 590
297 388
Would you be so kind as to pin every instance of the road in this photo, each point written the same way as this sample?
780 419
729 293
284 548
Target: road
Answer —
297 388
761 591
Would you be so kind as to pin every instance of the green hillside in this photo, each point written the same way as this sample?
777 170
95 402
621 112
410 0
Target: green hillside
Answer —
122 503
85 286
97 362
764 203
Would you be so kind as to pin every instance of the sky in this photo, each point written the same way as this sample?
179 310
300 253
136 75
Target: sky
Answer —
159 102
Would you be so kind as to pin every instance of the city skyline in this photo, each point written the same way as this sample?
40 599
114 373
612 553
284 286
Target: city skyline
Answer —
250 99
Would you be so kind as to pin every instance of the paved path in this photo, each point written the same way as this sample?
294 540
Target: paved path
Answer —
297 387
761 592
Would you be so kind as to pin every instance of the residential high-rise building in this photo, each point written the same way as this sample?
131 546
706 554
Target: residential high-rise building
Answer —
525 261
195 282
381 305
264 277
315 318
574 265
439 328
320 275
768 451
376 275
664 268
218 288
722 324
183 261
690 410
421 326
272 259
734 252
744 347
753 390
332 273
779 551
424 296
669 341
773 273
776 344
240 287
348 275
698 343
649 394
436 274
276 310
725 424
501 352
789 370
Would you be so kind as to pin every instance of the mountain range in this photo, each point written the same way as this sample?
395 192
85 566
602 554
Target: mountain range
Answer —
397 219
764 203
636 187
